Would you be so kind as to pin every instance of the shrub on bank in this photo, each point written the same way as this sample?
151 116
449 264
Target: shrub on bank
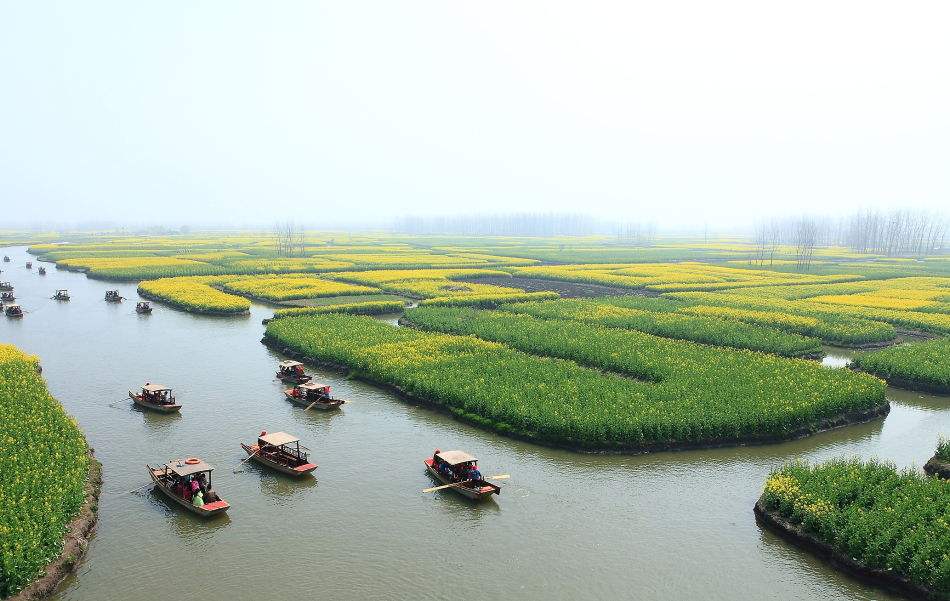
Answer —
43 470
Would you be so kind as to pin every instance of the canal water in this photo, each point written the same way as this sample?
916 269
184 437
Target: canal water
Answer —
566 526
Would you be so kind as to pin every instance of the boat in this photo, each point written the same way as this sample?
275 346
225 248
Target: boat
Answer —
6 286
280 451
167 475
61 295
449 467
29 264
7 297
312 394
112 296
143 307
6 259
41 270
292 372
156 397
13 311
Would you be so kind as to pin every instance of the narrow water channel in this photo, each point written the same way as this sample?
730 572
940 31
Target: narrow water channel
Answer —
566 526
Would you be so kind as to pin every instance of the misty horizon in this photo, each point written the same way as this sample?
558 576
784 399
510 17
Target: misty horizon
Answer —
685 116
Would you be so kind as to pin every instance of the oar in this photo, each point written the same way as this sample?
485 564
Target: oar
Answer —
140 488
499 477
311 405
234 471
435 488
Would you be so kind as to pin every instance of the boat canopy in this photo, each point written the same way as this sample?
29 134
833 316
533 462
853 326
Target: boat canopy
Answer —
455 457
278 439
187 469
313 386
289 364
155 388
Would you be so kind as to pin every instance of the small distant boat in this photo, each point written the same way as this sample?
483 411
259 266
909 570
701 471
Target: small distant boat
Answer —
7 297
113 296
292 372
6 286
6 259
29 264
61 295
13 311
170 475
143 307
156 397
280 451
41 270
450 467
312 394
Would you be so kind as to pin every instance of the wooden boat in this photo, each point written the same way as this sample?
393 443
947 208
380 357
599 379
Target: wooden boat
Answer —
7 297
6 286
292 372
112 296
155 397
450 466
61 295
166 475
280 451
312 393
41 271
143 307
29 264
6 259
13 311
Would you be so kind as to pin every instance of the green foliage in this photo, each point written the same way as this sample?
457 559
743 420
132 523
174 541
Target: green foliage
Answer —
707 330
943 449
694 394
43 470
922 364
357 308
884 519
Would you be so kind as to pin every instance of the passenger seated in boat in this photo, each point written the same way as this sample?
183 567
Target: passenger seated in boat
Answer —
198 499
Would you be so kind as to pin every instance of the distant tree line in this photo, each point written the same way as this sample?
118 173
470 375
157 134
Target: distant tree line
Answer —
290 239
897 233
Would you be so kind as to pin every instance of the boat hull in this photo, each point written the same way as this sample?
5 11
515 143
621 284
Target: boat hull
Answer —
206 511
296 472
322 406
479 491
137 399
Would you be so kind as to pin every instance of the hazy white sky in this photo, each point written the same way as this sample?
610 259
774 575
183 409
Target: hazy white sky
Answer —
690 112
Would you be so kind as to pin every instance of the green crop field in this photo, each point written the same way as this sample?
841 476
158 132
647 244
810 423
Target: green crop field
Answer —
924 365
43 469
870 512
562 402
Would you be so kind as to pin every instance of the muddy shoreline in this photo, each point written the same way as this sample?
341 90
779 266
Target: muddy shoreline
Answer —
75 543
847 419
882 578
937 468
906 384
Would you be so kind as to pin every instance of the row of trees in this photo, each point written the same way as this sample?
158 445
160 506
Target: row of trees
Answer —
291 239
898 233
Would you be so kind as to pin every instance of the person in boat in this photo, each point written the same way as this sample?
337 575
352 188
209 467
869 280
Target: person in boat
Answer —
198 499
472 473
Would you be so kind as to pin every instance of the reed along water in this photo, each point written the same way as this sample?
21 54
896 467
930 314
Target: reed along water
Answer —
566 526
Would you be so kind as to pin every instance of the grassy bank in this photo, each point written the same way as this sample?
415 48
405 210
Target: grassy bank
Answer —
557 401
43 470
919 365
884 524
